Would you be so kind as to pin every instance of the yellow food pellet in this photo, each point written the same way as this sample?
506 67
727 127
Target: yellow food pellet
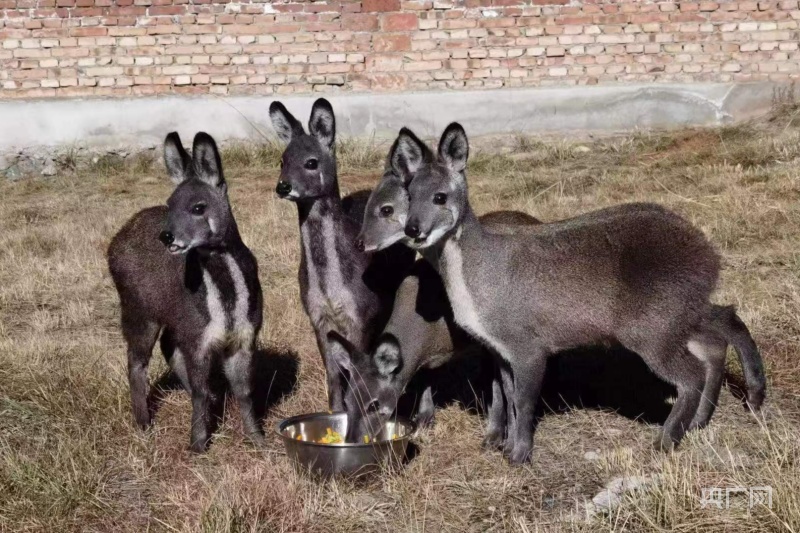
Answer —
331 437
366 439
299 437
395 437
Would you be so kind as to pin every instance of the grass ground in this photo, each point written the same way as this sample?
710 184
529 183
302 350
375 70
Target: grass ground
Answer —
71 458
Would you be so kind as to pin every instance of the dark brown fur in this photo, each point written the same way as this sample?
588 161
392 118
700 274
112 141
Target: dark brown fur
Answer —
167 294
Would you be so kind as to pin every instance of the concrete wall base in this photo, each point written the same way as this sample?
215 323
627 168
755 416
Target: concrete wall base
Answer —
132 124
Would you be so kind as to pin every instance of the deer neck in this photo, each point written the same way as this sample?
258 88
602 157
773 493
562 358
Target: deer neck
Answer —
468 235
324 239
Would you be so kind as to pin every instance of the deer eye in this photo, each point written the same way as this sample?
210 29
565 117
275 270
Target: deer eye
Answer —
311 164
198 209
373 406
387 211
440 198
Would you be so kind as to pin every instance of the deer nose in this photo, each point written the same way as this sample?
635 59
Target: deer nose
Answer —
412 230
166 237
283 188
359 245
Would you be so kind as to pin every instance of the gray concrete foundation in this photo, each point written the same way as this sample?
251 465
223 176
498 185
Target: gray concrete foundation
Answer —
143 122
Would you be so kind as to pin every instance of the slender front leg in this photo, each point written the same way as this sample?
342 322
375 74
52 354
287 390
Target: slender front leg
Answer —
496 427
507 380
528 377
425 412
199 369
335 376
239 372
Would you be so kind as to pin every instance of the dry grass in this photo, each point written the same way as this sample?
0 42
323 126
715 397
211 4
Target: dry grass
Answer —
71 458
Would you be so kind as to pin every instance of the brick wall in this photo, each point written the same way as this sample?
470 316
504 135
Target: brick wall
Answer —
145 47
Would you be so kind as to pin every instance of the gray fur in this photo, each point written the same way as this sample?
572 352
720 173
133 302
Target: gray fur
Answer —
420 333
198 289
635 274
385 214
342 288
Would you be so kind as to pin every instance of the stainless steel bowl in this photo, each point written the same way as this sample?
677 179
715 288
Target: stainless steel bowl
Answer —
342 459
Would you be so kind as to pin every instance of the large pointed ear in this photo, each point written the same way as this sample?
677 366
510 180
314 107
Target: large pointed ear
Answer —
454 147
407 155
388 356
175 158
322 123
207 163
286 126
343 351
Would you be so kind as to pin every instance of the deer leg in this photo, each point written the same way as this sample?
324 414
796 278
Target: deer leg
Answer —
141 336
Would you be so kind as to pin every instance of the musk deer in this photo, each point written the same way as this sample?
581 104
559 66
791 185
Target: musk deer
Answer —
182 271
342 288
383 374
635 274
420 334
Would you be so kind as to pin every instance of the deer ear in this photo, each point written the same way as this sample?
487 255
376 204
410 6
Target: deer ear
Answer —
286 126
343 351
407 155
176 159
322 123
206 160
388 356
454 147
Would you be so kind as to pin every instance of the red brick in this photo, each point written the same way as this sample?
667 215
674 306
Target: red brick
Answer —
576 20
317 27
80 12
322 7
359 22
687 17
166 10
649 17
380 63
399 22
388 81
391 43
370 6
89 32
351 7
421 5
288 8
699 40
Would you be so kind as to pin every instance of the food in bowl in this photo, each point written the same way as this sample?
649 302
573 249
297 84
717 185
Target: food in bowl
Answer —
334 437
331 437
314 443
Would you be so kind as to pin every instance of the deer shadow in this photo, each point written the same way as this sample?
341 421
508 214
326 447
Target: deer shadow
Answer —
274 377
600 378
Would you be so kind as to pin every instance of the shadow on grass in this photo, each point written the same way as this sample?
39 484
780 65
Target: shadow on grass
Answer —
612 379
274 377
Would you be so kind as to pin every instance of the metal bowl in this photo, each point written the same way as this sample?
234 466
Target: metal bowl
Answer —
347 459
